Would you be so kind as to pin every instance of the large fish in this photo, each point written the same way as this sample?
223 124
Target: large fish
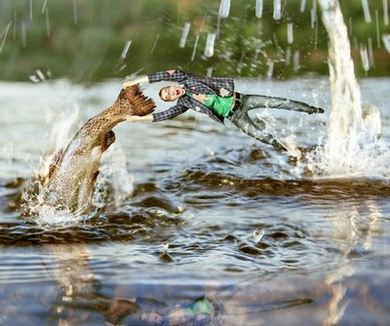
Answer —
72 174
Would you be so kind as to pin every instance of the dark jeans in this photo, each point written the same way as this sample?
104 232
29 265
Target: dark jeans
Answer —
240 117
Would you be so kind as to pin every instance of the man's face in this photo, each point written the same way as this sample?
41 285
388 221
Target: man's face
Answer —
171 93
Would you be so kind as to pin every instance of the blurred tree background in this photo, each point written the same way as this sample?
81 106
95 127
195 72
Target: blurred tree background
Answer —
90 40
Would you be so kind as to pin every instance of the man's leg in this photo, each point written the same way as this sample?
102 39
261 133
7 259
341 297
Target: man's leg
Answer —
261 101
243 122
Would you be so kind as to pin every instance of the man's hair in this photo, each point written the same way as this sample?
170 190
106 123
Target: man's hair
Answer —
159 93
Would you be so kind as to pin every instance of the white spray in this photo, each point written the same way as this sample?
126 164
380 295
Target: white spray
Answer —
351 145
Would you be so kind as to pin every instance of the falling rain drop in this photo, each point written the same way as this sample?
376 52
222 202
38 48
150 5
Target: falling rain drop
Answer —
31 10
209 49
366 10
155 43
14 27
385 12
316 35
23 33
364 57
290 35
224 8
75 14
259 8
44 7
125 49
209 72
184 35
270 69
195 46
303 5
5 36
288 56
378 32
386 41
277 10
313 14
47 18
296 60
370 52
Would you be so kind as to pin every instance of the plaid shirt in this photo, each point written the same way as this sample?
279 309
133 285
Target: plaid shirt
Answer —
195 85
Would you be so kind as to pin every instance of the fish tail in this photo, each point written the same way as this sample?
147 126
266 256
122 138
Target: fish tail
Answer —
139 103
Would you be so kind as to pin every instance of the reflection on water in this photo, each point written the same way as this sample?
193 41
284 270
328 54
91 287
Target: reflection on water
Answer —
225 233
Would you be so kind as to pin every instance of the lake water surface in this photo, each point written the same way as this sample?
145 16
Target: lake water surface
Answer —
196 223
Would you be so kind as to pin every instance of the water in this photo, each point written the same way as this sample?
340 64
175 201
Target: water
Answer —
184 35
250 230
386 41
224 8
303 4
125 50
366 10
210 42
290 35
198 224
259 8
364 57
277 10
4 37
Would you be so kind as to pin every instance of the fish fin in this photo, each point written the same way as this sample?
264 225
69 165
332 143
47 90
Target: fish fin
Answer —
140 104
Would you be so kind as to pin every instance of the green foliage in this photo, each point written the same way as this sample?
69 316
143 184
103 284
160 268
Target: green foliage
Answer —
83 39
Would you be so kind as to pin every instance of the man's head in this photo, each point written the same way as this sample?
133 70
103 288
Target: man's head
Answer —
171 93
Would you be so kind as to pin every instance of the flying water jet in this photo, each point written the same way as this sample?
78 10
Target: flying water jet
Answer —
350 137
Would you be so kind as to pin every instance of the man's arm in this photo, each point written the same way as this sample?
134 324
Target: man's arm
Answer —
135 118
174 111
168 75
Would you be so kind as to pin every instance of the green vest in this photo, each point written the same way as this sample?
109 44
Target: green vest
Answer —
221 106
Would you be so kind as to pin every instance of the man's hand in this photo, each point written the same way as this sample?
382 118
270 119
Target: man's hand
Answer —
200 97
223 92
140 80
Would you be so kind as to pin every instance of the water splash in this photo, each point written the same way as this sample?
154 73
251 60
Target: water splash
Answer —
114 183
352 147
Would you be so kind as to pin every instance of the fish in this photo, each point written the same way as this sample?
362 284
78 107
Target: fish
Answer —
71 177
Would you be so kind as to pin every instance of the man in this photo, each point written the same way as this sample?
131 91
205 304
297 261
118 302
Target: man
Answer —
216 98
